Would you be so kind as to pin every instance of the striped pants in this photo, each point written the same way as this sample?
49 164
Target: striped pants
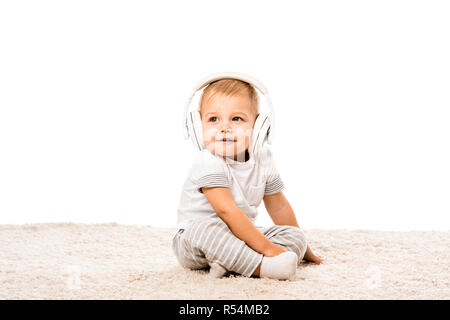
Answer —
210 240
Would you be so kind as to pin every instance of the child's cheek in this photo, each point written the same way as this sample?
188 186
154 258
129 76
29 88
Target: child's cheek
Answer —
209 135
248 137
244 135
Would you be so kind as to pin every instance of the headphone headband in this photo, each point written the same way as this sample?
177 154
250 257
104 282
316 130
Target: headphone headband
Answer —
225 75
230 75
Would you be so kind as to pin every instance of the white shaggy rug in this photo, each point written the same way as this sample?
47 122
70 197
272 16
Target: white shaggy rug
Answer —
111 261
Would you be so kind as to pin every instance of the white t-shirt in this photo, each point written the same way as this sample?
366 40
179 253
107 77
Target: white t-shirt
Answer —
248 181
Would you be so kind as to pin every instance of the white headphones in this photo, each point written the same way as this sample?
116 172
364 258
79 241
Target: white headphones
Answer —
262 129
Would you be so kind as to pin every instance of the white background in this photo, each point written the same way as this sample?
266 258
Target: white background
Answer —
92 94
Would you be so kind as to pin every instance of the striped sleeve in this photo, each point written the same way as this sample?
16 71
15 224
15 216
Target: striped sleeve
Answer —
213 180
209 171
274 184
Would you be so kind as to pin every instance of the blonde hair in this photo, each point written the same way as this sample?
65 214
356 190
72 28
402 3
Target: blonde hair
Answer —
230 88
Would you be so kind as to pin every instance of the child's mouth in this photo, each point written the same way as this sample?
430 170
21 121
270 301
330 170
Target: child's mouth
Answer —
226 140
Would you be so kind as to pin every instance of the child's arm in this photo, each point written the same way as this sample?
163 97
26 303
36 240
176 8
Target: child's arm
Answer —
223 203
281 212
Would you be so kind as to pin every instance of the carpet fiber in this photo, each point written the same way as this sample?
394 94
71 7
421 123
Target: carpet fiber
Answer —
113 261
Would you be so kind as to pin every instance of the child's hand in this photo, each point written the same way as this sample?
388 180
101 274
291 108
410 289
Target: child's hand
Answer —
310 256
274 250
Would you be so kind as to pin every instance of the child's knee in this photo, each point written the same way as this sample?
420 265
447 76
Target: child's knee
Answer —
297 236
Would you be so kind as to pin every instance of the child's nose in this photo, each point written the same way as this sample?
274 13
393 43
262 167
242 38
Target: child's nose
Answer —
226 127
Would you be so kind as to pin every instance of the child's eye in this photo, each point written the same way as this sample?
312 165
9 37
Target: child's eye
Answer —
237 118
212 119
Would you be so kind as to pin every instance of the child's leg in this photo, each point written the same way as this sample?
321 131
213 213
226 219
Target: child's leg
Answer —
216 270
211 241
281 267
292 238
187 256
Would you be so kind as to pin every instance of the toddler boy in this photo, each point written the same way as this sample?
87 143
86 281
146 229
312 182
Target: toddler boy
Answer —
225 185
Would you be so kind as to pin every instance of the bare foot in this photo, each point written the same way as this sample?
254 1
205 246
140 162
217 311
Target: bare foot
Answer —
310 256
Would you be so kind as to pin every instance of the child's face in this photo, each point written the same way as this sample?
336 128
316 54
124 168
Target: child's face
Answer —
229 118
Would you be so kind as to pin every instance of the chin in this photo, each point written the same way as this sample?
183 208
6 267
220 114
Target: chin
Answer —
224 151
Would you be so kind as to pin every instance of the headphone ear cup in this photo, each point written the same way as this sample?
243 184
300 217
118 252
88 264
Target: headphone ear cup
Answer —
260 134
197 130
